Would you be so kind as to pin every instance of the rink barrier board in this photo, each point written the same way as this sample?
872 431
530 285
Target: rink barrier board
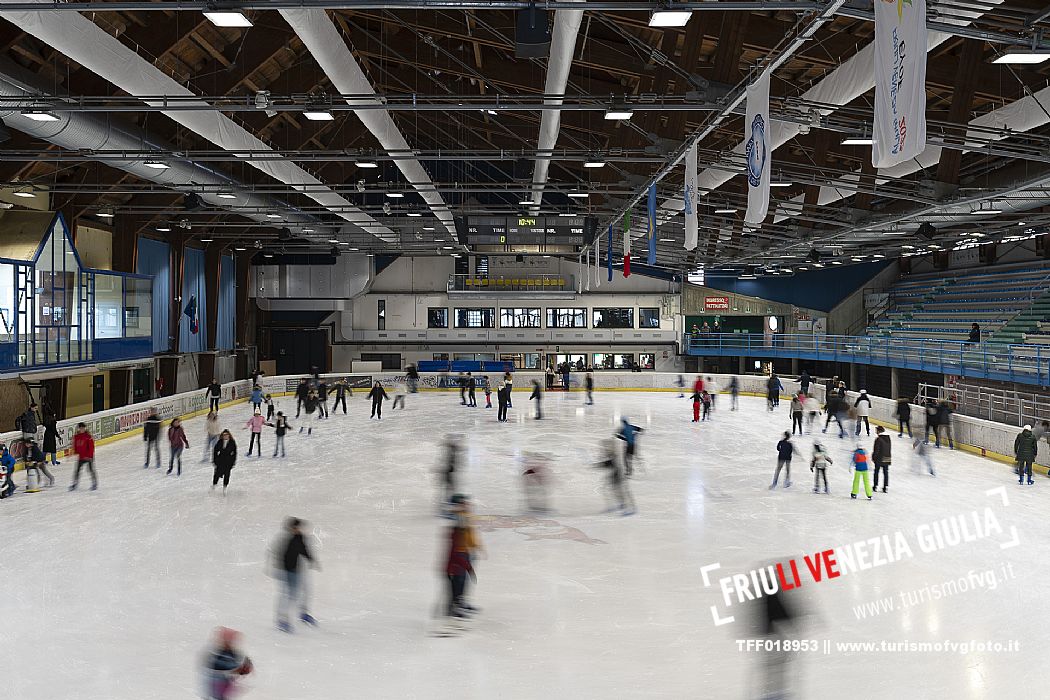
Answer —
116 424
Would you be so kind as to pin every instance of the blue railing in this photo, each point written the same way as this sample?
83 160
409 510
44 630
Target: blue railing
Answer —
1029 364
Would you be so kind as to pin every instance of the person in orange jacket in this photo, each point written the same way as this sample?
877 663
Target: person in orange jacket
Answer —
84 449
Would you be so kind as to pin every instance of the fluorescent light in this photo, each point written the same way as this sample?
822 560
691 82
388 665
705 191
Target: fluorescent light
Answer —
318 115
367 164
780 184
105 213
164 229
206 240
267 255
878 256
40 115
857 141
428 228
618 114
228 19
979 212
333 240
354 249
725 210
566 213
414 213
594 163
526 202
238 248
907 247
1020 56
25 194
446 247
666 240
670 18
156 164
579 195
273 215
346 243
750 277
308 230
226 195
836 262
395 195
1020 223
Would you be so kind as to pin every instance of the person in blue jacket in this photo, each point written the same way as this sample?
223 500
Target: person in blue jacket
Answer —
7 467
629 434
257 399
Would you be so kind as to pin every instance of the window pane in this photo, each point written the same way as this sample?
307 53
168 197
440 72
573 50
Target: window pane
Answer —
567 318
519 318
109 304
138 307
7 303
614 318
437 318
648 318
475 318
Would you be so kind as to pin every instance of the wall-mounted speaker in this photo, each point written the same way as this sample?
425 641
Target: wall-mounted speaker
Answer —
532 35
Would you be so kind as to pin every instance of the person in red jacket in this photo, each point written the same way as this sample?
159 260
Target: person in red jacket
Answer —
84 448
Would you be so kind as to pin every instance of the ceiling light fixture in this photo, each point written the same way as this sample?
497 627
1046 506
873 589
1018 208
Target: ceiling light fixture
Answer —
726 210
209 240
367 164
106 213
273 215
991 211
428 228
226 195
670 18
164 229
618 114
857 141
414 213
594 163
240 248
579 195
781 184
526 203
1029 56
318 115
156 164
227 18
395 195
40 115
333 240
24 193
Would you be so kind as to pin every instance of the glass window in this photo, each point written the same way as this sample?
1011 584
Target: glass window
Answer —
440 357
614 318
476 318
437 318
7 303
648 318
577 363
381 313
647 360
109 305
566 318
138 307
606 360
519 318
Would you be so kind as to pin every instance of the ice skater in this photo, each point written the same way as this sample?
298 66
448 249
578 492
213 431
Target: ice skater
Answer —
712 390
463 544
151 436
708 404
84 448
378 396
734 393
7 472
536 479
537 394
488 391
680 383
819 466
472 387
322 399
835 409
903 414
27 423
453 450
399 395
271 407
341 389
881 457
177 442
863 408
302 391
34 459
224 457
280 428
292 581
588 382
773 389
508 384
698 400
255 423
629 434
922 451
462 379
796 414
214 394
51 438
812 408
224 665
310 405
623 499
503 399
859 463
256 398
785 450
1026 447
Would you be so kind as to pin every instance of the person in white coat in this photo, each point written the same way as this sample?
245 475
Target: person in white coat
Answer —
863 408
712 389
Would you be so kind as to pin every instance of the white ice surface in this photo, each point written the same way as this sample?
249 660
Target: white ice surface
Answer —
113 594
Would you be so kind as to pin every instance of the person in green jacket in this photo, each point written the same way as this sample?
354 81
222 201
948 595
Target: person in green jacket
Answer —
1026 447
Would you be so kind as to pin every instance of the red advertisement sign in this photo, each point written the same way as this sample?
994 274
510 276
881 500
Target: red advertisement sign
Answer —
716 303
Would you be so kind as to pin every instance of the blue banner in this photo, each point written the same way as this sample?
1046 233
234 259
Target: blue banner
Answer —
608 264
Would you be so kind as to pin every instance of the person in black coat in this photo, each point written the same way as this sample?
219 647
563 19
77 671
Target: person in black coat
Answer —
588 383
472 385
378 396
291 577
150 435
903 414
537 393
503 397
301 392
322 398
51 438
224 457
341 387
975 334
804 380
214 393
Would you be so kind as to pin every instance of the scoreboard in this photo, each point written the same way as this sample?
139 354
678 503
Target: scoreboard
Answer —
527 233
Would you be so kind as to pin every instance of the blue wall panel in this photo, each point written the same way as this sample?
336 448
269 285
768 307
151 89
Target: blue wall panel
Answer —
821 290
194 284
225 328
154 258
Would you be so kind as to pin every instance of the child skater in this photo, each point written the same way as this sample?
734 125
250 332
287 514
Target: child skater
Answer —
256 423
785 450
84 448
819 465
860 472
697 403
488 391
224 664
707 400
280 428
536 478
270 407
618 488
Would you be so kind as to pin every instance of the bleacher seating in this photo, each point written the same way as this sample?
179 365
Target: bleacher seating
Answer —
1008 301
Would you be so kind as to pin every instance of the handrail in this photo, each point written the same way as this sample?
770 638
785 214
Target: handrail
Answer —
532 282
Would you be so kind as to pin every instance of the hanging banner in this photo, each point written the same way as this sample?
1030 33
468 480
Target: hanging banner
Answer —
900 81
597 261
627 244
651 224
692 225
756 134
608 252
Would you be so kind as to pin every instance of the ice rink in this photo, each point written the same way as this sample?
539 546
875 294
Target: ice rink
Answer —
114 594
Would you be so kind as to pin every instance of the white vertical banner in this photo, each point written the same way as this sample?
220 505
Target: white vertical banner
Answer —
598 260
899 132
756 134
586 269
689 196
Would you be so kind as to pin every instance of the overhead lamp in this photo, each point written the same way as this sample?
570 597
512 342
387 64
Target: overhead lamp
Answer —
353 249
491 112
318 115
566 213
273 215
878 256
618 114
240 248
227 18
670 18
726 210
209 240
446 247
40 115
836 262
24 193
333 240
579 195
857 141
414 214
156 164
106 213
666 240
346 243
989 211
780 184
164 229
366 164
594 163
749 276
395 195
1021 56
428 228
226 195
267 255
857 259
308 230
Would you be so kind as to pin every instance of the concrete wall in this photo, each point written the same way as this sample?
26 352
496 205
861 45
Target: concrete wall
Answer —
851 314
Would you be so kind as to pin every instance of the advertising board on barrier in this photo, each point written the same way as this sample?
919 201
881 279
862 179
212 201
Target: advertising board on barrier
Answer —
716 303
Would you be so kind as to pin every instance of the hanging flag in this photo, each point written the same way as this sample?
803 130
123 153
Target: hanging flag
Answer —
689 196
587 269
609 253
651 224
627 244
756 134
191 313
597 261
899 132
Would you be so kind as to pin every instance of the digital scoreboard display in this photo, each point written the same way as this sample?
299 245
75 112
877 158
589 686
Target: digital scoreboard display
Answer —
526 232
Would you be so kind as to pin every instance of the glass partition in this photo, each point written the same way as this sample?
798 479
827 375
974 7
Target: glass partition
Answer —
7 303
109 306
138 307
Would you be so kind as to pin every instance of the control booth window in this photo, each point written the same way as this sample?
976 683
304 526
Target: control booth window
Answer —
519 318
476 318
566 318
437 318
648 318
614 318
